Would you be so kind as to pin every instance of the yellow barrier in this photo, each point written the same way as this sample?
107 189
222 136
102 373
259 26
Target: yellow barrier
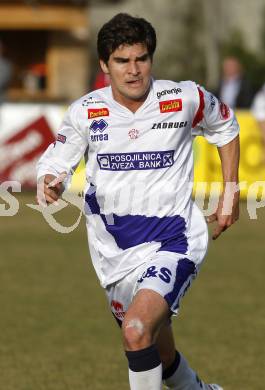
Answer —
252 159
78 181
207 167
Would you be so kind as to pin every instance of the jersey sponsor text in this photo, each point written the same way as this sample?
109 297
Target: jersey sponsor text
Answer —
97 112
176 91
170 105
169 125
99 137
135 161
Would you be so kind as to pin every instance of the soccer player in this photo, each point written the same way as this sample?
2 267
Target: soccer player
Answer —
147 238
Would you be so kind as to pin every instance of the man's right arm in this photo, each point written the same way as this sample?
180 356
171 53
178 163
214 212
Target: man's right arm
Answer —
61 158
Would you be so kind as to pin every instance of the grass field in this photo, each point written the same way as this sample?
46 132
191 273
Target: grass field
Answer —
57 333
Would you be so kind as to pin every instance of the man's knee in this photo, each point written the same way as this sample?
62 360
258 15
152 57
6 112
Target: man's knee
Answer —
136 334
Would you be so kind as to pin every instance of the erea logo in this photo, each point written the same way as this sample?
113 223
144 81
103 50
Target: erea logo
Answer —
170 105
97 112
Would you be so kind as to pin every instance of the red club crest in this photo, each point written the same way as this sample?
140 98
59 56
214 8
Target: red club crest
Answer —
133 134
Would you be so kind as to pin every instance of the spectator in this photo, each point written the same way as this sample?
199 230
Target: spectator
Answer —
5 74
258 110
234 88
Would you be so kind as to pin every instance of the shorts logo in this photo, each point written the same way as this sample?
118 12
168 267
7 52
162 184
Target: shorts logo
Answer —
117 309
170 105
135 161
224 111
163 273
61 138
97 112
98 126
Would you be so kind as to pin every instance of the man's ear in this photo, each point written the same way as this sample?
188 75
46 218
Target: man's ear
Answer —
104 67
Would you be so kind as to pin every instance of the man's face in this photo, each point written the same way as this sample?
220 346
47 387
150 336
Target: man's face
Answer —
129 67
231 68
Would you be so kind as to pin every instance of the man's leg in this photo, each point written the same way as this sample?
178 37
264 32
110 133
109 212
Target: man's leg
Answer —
166 346
141 325
150 347
177 375
148 340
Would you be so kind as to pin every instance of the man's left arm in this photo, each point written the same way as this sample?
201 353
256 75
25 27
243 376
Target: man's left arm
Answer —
227 212
217 123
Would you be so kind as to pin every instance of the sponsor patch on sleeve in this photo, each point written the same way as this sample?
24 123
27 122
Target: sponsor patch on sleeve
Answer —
224 111
61 138
170 105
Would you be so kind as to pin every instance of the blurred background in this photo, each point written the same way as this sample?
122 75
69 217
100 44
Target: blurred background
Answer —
56 331
48 59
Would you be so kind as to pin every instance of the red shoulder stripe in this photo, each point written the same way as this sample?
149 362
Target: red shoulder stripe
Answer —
199 114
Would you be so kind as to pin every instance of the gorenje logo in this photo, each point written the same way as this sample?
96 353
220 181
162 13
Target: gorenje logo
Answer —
176 91
170 105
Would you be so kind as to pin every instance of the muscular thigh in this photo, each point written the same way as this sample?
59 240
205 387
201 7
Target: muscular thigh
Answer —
149 309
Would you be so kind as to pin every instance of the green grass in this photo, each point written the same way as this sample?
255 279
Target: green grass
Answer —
56 332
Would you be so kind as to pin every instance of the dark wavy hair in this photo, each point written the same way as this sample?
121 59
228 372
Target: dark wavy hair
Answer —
125 29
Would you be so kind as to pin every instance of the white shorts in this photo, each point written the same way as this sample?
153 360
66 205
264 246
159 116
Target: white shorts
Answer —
169 274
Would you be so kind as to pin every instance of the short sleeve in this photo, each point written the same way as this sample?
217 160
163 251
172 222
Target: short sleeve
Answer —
258 105
214 120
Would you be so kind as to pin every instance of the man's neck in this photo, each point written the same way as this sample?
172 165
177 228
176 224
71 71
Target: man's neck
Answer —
131 104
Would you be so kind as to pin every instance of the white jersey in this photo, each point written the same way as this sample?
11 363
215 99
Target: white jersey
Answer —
139 171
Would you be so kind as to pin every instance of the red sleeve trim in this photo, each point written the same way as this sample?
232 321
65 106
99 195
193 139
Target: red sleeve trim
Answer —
199 114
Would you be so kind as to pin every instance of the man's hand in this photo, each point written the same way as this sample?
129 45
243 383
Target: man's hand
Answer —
226 214
50 188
